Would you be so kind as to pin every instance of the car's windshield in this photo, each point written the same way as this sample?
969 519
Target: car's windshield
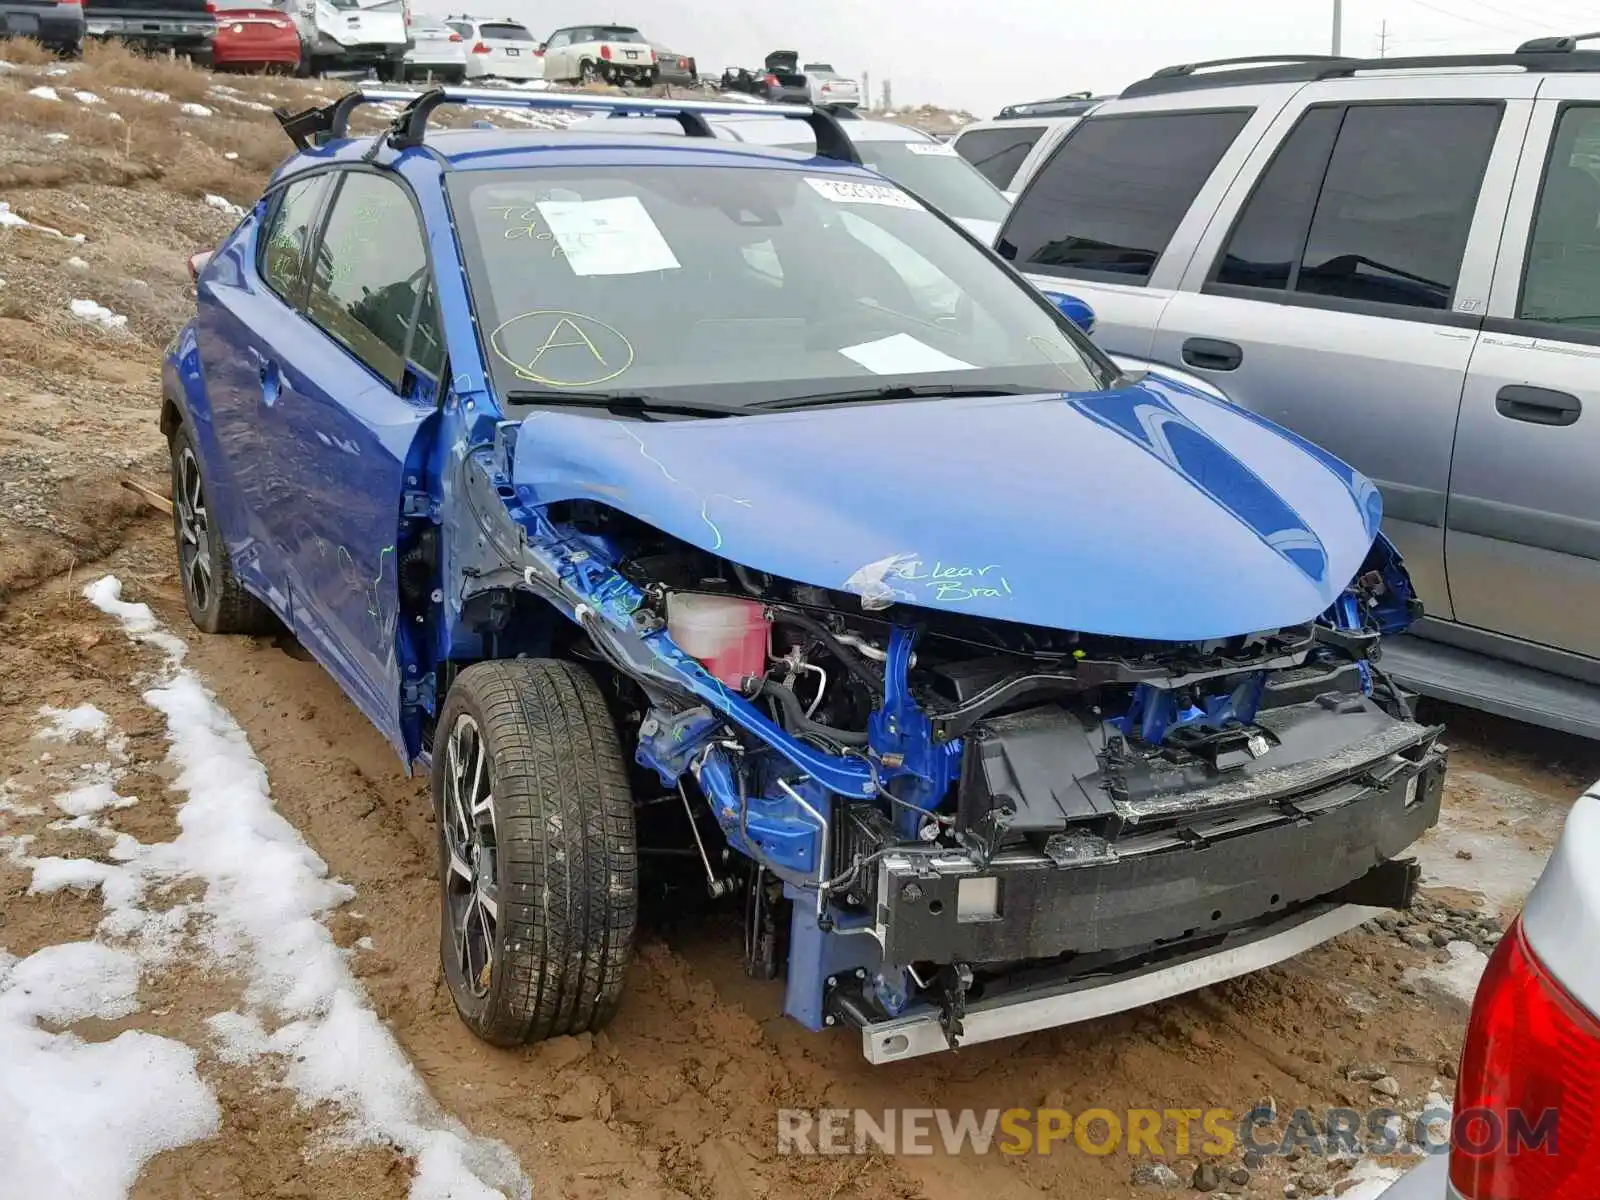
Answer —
934 171
743 285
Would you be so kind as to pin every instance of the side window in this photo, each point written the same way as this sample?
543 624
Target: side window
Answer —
370 273
461 27
1265 245
1111 196
997 153
1561 281
1396 207
288 231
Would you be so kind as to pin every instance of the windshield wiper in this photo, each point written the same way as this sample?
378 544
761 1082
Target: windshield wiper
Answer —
913 391
625 403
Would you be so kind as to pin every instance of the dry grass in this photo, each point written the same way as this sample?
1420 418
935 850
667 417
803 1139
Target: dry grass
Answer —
25 52
108 63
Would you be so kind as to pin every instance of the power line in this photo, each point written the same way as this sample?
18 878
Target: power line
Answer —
1444 12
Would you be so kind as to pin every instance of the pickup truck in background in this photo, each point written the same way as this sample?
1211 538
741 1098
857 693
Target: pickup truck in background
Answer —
354 34
185 27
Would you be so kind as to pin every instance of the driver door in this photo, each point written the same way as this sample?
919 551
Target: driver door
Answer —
362 384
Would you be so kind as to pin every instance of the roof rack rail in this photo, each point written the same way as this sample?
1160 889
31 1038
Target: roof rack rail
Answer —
1070 105
1561 44
1553 55
331 122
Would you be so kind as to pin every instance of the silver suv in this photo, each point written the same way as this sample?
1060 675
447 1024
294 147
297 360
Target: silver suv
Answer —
1400 260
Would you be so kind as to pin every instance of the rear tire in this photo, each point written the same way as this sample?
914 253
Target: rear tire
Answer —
587 72
391 70
537 851
216 600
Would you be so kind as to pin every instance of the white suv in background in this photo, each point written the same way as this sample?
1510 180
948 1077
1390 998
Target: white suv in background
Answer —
499 48
1007 149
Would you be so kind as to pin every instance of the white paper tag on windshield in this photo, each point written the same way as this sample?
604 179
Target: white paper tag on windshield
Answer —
851 191
608 237
941 148
902 354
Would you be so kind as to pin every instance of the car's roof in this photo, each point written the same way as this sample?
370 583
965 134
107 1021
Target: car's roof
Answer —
499 149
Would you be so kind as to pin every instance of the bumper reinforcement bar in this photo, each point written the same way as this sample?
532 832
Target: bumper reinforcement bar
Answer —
1048 1005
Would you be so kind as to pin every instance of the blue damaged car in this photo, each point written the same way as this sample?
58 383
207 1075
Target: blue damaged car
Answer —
672 500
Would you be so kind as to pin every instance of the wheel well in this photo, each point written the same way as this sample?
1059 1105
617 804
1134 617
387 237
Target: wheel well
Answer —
171 416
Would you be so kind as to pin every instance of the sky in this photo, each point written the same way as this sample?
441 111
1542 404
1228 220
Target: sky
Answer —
982 54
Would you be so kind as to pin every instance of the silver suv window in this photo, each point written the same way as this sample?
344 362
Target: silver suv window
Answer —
998 153
1111 196
1370 203
1561 284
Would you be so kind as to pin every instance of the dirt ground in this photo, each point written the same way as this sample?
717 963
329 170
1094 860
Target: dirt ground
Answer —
678 1097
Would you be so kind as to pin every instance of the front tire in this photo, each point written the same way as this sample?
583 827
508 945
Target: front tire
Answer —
216 600
587 72
537 852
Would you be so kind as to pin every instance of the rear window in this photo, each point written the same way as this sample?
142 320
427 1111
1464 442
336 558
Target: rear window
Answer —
1112 195
618 33
504 31
998 153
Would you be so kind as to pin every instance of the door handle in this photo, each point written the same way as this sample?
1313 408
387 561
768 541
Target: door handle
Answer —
1537 405
1209 354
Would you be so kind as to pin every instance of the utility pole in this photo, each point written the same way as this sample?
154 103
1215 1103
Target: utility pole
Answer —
1383 38
1338 24
866 89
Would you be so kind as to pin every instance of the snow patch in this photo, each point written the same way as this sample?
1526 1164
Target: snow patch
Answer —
12 220
78 1118
1456 979
98 314
92 798
43 93
1370 1180
223 204
77 264
190 109
143 94
87 98
266 891
231 155
68 723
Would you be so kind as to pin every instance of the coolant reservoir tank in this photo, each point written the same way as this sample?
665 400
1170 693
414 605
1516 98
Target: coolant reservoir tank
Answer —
728 634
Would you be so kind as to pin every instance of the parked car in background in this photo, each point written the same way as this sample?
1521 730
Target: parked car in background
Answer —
354 35
1532 1046
615 54
827 86
1400 261
783 82
438 51
677 69
54 24
1010 147
185 27
915 160
499 48
254 35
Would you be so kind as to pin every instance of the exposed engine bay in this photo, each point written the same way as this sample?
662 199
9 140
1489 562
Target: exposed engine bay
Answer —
919 809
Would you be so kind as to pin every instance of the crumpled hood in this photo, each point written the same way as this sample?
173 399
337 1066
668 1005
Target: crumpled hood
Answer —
1152 511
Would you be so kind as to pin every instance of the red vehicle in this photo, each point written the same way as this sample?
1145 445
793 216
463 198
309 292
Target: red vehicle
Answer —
253 35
